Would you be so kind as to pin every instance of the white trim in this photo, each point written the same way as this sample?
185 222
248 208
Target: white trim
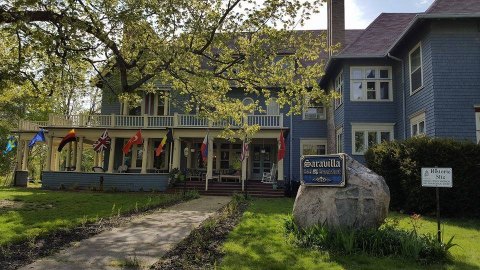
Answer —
415 121
273 108
339 87
339 132
419 45
319 116
370 127
377 80
250 99
477 125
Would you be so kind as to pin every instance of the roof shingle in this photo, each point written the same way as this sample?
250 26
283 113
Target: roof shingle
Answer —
454 6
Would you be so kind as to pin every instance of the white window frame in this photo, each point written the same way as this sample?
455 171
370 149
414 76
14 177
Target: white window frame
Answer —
339 87
319 116
312 141
415 121
339 138
477 123
250 99
272 106
370 127
364 80
419 45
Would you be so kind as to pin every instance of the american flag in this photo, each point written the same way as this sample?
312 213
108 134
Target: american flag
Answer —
103 143
244 154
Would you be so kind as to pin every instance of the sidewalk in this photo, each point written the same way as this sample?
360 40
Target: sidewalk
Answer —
145 239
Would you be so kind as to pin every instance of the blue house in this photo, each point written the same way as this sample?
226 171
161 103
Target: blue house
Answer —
404 75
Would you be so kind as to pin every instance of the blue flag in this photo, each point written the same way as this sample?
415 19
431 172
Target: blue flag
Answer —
39 137
11 143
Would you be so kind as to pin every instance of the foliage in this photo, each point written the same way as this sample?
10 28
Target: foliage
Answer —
258 242
201 48
400 164
30 213
175 177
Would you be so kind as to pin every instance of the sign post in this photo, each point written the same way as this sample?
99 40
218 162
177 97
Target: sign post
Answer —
437 178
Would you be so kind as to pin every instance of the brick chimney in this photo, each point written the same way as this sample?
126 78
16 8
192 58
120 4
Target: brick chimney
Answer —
335 24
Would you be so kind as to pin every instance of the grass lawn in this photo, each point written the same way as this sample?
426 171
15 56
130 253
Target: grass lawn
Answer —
28 213
258 242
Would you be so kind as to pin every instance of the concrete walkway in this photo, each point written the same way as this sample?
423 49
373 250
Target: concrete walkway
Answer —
144 239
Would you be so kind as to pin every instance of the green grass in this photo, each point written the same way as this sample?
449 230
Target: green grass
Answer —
29 213
258 242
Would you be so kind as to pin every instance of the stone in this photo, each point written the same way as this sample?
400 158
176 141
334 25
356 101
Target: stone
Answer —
362 203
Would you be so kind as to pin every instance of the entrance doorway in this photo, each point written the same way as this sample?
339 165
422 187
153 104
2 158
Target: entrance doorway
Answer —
262 160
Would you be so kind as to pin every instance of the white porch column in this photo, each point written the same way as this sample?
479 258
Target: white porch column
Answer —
74 154
69 155
144 156
189 156
19 157
209 162
218 153
280 176
95 159
57 161
78 159
48 166
25 156
111 156
177 153
244 172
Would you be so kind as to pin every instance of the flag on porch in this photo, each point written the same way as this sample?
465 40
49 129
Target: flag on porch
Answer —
11 143
204 148
136 139
39 137
244 154
70 137
167 139
281 150
103 143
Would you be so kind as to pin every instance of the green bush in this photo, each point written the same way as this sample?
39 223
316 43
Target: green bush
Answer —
386 241
400 164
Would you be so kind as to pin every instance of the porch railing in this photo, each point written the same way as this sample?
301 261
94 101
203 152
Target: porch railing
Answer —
147 121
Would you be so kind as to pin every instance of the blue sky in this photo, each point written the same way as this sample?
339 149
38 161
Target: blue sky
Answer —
360 13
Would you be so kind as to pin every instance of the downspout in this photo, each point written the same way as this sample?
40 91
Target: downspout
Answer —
404 106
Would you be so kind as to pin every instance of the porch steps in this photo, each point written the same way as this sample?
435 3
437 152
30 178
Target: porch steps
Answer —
254 188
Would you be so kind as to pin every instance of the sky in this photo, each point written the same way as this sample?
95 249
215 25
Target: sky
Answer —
360 13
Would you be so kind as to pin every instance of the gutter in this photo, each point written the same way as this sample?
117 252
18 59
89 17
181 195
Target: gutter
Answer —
404 106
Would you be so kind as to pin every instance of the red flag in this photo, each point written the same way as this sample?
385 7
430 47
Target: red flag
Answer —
70 137
137 139
204 148
281 150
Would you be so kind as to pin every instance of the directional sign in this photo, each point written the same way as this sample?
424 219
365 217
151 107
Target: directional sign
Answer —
437 177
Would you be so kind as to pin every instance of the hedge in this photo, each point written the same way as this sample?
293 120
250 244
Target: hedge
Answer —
400 162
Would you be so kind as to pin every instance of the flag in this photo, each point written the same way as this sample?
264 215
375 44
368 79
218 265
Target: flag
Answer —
167 139
11 143
137 139
281 150
103 143
39 137
70 137
244 154
204 148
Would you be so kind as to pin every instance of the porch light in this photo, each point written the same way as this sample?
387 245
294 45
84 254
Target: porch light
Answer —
262 151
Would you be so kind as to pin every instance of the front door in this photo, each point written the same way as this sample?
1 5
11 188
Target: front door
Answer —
262 160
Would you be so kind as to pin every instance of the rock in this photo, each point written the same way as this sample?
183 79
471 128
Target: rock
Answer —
362 203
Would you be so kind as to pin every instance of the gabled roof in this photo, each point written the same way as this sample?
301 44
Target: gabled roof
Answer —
379 36
454 6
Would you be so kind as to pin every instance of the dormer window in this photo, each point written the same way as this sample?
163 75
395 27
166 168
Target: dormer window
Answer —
416 72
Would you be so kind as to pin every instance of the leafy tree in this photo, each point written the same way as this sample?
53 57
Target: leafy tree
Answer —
203 48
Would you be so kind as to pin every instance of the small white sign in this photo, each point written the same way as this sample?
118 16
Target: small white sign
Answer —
437 177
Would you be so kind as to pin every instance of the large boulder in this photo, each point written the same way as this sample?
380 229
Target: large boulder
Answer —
362 203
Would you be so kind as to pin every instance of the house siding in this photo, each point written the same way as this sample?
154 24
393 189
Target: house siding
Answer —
111 182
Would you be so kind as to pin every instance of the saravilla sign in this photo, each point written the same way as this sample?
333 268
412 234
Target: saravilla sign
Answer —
325 170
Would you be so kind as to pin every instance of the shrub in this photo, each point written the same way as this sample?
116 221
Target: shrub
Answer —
400 164
388 240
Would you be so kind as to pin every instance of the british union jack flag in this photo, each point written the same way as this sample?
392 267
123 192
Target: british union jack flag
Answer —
103 143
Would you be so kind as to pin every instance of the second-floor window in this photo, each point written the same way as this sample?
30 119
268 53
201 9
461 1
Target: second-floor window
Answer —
339 89
416 76
314 110
371 84
339 134
273 107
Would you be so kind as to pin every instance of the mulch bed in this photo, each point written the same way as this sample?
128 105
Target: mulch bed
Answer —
202 248
19 254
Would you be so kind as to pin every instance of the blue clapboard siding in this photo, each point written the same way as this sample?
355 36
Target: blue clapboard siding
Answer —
120 182
455 46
